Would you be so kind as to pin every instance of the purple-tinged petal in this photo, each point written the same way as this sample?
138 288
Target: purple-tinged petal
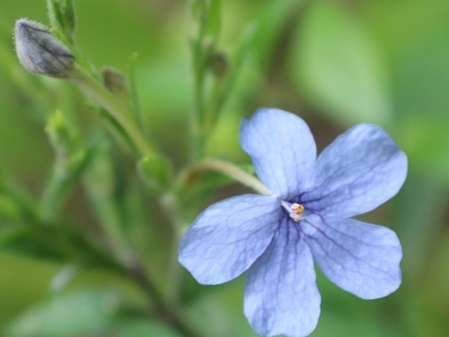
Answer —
359 171
281 296
228 237
359 257
282 149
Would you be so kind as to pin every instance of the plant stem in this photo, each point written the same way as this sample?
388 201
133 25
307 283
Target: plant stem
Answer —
115 108
231 171
199 62
167 312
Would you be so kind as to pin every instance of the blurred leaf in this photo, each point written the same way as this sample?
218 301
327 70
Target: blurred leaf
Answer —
339 67
18 239
163 85
419 53
426 142
16 289
68 315
143 328
270 22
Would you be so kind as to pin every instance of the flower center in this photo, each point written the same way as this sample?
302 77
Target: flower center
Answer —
294 210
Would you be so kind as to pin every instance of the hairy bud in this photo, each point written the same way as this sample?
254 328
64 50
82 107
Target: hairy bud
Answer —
40 51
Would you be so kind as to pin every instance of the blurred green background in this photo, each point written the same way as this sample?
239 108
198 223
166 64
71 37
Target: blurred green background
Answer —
334 63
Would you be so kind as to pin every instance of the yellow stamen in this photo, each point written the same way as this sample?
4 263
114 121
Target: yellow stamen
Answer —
297 208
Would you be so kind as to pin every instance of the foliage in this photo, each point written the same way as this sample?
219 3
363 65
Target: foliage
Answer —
100 175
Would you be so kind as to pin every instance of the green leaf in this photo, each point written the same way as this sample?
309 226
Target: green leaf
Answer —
70 315
339 67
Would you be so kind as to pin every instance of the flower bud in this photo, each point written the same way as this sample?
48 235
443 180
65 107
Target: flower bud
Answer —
40 51
219 64
156 172
114 81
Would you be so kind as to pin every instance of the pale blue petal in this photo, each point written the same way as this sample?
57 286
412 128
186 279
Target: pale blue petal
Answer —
282 149
359 171
281 296
359 257
228 237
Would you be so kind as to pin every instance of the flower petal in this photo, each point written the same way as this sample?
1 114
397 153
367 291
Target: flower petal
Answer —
228 237
282 149
281 296
359 171
359 257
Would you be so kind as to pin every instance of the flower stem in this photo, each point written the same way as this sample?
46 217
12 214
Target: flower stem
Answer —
231 171
117 111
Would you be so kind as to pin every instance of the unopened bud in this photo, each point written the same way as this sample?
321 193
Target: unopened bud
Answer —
115 81
219 64
40 51
156 172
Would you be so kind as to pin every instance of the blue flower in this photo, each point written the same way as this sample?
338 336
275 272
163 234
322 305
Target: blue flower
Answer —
308 217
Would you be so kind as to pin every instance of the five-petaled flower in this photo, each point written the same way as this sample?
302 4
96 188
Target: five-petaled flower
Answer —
307 218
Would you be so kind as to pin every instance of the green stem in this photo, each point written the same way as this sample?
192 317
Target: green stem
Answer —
199 60
166 311
115 108
231 171
169 203
71 243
